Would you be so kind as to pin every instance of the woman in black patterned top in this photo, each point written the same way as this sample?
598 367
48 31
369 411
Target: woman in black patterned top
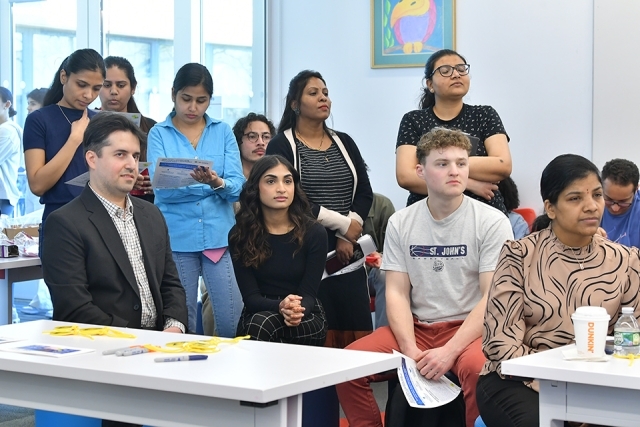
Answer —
447 82
334 177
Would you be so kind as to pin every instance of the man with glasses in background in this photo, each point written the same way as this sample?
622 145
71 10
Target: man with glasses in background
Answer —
253 133
621 219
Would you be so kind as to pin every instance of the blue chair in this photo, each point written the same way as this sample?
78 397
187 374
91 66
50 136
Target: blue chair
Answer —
57 419
479 423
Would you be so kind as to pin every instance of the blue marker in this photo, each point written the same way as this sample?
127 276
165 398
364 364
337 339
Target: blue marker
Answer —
132 351
181 358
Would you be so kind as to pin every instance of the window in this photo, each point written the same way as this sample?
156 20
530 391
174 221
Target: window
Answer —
45 34
142 32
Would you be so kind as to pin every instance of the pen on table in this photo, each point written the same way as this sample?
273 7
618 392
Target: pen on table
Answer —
181 358
115 350
132 351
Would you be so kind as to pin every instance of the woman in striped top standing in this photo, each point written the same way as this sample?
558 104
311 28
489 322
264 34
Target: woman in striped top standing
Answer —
334 177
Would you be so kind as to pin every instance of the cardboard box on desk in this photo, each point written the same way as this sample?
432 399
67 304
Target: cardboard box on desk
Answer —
11 232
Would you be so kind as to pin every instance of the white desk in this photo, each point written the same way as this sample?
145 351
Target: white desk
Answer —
604 393
187 394
18 269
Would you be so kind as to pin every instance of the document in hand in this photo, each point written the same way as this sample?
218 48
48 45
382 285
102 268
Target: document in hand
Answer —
176 173
334 267
421 392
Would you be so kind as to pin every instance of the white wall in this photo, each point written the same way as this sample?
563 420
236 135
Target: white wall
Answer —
616 127
532 61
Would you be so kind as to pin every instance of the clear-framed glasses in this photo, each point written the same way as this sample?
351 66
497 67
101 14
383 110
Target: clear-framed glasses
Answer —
447 70
622 205
253 136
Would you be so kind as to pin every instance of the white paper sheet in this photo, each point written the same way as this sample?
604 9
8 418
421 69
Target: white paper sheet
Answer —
176 173
421 392
80 180
45 349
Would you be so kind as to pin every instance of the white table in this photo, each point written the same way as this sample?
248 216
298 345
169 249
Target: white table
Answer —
606 393
17 269
187 394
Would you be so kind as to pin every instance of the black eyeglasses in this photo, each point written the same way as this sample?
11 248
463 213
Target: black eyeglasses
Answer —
447 70
253 136
622 205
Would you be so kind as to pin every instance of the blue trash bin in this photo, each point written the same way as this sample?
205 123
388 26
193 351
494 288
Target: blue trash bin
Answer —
57 419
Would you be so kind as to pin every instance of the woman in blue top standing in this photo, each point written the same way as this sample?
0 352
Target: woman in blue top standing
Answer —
199 216
53 134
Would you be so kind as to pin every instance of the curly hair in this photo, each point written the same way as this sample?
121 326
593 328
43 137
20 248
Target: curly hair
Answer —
621 172
440 138
249 237
243 122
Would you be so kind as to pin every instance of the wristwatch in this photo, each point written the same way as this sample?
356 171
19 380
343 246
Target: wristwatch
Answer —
221 186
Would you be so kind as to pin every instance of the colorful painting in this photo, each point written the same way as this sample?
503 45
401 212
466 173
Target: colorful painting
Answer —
404 33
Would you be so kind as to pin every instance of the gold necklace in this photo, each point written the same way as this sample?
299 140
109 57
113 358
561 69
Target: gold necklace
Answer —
580 262
306 144
65 116
194 141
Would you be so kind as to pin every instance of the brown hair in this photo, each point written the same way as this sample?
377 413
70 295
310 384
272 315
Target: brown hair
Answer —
441 138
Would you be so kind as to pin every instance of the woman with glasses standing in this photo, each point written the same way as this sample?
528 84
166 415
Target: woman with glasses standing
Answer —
441 105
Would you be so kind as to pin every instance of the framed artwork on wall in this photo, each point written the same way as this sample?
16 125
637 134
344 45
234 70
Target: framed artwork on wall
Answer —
404 33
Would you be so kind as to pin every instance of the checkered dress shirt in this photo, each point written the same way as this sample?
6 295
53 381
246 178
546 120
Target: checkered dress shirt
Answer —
123 220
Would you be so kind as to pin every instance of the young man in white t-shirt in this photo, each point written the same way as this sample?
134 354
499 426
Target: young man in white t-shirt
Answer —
439 257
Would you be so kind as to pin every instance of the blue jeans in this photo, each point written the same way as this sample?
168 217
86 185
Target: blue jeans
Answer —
221 284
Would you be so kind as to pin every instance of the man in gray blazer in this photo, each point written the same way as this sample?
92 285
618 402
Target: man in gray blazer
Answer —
106 256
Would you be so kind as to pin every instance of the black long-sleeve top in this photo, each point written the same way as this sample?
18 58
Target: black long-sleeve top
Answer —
284 273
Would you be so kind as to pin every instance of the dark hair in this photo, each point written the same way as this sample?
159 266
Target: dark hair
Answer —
193 74
428 99
38 95
561 172
249 235
540 223
243 122
102 125
296 87
124 65
509 190
621 172
6 95
80 60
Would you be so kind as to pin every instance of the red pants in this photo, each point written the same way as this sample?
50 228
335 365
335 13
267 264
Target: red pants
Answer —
356 397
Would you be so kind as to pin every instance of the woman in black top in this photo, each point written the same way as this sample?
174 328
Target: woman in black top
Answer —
278 252
447 82
334 177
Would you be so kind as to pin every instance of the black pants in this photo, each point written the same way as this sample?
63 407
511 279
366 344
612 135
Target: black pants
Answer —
507 403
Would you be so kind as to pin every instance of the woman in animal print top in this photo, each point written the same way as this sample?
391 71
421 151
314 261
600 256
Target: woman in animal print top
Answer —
541 279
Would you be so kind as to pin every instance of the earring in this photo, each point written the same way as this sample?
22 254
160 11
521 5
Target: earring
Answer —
297 111
431 90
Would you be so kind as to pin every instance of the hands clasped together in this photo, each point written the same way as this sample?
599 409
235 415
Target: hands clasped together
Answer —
432 363
292 310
